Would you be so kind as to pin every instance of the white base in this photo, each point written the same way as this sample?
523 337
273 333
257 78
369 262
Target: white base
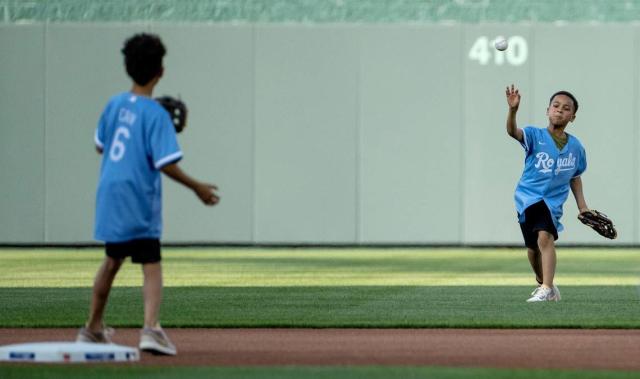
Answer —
73 352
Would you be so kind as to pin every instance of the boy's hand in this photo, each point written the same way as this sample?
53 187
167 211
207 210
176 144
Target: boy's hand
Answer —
206 193
513 98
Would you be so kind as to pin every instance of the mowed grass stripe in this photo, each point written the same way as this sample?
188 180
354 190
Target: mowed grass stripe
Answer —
328 288
221 267
333 306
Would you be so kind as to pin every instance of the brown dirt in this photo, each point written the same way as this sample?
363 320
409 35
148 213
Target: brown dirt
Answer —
504 348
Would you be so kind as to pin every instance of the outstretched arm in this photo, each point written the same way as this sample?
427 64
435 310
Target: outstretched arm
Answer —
513 100
576 188
203 190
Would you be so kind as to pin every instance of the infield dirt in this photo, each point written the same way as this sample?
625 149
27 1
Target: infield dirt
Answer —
499 348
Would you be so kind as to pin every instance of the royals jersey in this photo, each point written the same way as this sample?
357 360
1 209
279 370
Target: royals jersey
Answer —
547 172
137 139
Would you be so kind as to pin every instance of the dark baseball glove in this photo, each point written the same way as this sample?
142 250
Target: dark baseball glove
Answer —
177 111
599 222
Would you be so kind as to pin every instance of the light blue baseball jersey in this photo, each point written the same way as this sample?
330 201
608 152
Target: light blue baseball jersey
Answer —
548 171
137 139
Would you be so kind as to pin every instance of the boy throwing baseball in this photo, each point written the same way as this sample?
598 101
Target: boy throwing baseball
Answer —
554 161
137 141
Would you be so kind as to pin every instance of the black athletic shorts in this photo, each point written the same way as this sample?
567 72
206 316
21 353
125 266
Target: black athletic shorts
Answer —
140 250
537 217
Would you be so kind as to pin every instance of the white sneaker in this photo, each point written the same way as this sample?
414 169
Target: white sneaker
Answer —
155 341
535 290
543 294
556 292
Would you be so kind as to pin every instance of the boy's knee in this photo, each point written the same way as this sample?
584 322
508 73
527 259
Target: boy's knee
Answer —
113 265
545 239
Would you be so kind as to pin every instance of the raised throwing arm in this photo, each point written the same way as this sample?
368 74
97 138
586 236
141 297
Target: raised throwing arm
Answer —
513 100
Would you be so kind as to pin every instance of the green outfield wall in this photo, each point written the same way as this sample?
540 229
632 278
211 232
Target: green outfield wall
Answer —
324 122
320 11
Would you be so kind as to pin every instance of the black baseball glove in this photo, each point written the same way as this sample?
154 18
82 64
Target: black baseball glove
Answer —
177 111
599 222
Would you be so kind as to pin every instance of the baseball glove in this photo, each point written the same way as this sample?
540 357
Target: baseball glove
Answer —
599 222
177 111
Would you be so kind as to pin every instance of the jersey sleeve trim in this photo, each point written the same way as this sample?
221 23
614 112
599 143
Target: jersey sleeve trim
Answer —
97 141
524 143
168 159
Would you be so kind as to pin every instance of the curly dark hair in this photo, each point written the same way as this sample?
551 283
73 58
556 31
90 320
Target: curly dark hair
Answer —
143 55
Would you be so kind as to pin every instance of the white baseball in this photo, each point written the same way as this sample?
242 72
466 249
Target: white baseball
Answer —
501 44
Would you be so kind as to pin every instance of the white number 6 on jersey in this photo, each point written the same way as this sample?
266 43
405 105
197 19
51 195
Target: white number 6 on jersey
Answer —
117 147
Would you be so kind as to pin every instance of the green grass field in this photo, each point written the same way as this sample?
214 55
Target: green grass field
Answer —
409 288
374 372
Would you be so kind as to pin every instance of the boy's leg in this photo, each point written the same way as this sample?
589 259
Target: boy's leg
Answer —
153 339
535 259
152 292
101 288
548 255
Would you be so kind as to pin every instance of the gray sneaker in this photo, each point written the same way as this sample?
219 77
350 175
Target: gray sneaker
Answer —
155 341
89 336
